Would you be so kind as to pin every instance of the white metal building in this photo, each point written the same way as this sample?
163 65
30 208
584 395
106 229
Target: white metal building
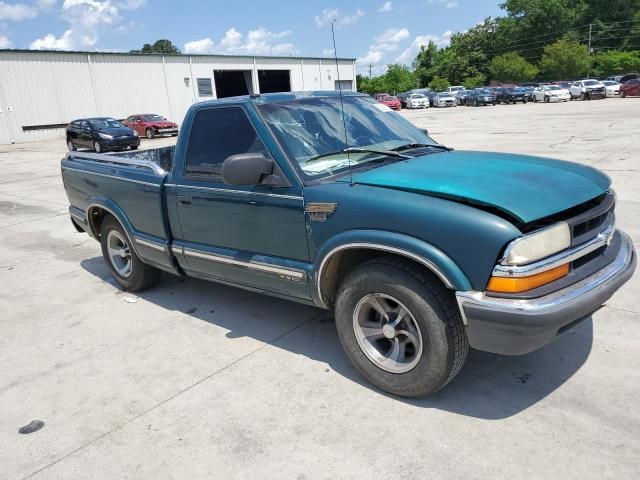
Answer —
41 92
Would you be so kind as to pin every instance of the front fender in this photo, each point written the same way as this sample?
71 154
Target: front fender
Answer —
395 243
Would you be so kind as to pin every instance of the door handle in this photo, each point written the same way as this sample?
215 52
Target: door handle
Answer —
184 200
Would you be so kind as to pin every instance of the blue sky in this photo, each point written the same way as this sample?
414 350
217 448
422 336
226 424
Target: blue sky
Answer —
375 32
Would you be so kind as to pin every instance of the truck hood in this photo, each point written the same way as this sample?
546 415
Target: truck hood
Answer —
526 188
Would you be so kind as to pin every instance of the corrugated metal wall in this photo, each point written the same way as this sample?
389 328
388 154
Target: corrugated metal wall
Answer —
52 88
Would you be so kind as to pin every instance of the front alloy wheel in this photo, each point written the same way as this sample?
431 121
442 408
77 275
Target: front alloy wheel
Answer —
387 333
70 145
149 133
97 147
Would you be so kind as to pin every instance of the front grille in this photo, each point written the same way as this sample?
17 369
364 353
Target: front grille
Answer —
589 224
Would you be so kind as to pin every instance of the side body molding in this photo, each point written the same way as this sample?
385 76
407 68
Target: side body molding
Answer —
412 248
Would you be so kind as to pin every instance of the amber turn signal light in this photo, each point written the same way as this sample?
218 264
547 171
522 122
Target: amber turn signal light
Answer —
522 284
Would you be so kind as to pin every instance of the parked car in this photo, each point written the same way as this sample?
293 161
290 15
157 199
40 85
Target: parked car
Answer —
380 96
391 102
444 99
587 89
630 88
612 88
512 95
528 91
462 95
151 125
455 89
629 76
614 78
403 98
481 96
565 85
372 235
551 93
100 134
417 100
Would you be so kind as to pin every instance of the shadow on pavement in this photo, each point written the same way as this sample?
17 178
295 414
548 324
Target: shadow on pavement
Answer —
488 387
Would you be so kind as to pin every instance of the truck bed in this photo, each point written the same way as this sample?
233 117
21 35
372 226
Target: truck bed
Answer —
128 185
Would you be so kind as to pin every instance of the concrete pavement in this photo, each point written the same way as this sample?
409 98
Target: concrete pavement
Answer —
197 380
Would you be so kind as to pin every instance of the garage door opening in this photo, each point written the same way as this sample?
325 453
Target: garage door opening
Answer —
274 81
231 83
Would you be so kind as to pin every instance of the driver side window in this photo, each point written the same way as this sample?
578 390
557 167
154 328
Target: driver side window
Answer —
216 134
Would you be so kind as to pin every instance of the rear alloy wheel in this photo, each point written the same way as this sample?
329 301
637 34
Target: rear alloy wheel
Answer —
400 327
149 133
71 146
97 147
131 273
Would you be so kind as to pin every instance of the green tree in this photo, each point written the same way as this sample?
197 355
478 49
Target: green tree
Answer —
564 60
161 46
474 82
399 78
425 63
438 84
613 62
511 68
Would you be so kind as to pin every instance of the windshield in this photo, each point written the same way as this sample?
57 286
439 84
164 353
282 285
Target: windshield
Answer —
313 127
101 123
591 82
418 95
153 118
553 87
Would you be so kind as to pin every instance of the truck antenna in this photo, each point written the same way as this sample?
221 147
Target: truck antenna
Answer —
344 119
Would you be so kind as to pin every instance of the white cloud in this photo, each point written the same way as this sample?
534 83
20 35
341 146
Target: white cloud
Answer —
16 12
87 19
199 46
388 41
387 7
257 42
412 50
131 4
445 3
46 4
5 42
328 52
328 15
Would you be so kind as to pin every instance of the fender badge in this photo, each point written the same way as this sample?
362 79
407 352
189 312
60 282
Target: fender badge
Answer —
318 212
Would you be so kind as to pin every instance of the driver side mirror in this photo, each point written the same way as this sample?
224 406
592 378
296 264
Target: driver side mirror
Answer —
425 131
251 169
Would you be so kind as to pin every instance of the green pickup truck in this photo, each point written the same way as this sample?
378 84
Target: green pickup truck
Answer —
419 250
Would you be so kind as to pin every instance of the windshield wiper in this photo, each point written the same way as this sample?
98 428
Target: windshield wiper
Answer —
409 146
386 153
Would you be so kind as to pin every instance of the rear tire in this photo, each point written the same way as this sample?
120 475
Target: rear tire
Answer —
131 273
410 354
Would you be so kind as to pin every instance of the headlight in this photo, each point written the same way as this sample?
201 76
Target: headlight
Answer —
135 134
538 245
105 136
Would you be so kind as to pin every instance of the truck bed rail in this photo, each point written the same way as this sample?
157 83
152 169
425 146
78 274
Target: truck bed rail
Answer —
153 160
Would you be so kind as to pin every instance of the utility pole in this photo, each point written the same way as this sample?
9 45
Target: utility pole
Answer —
590 27
370 67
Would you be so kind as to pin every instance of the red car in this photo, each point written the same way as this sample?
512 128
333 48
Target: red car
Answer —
391 102
630 88
150 125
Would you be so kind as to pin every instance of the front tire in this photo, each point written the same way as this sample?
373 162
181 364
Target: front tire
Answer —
131 273
71 146
400 327
149 133
97 147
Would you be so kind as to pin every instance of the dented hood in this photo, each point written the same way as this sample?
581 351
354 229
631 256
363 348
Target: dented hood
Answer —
526 188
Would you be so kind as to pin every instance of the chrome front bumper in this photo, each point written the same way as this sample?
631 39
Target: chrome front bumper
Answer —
516 327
